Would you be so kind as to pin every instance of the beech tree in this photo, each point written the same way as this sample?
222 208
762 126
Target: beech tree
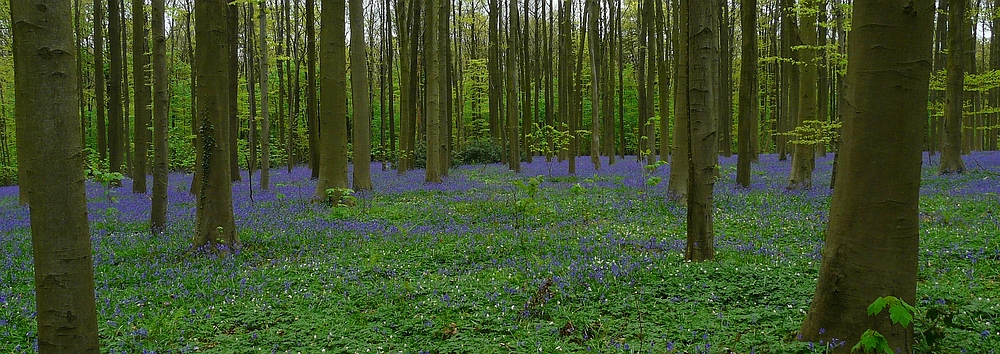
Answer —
214 223
702 110
333 115
873 232
141 97
748 91
359 93
265 118
803 156
158 213
51 153
951 145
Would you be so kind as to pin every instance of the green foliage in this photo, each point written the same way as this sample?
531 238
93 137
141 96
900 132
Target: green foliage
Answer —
8 175
900 313
814 132
477 152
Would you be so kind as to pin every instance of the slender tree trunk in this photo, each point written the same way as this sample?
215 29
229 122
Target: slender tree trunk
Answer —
703 153
333 119
158 214
513 131
78 39
789 77
142 97
994 95
677 186
115 119
51 154
664 82
215 227
311 106
649 129
873 233
642 88
265 119
232 25
951 150
748 90
493 66
803 157
249 56
196 177
823 83
362 107
725 81
596 60
99 84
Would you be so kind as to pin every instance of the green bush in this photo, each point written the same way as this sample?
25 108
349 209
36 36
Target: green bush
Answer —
8 175
477 152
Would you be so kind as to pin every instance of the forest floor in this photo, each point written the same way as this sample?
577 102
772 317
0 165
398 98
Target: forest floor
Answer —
479 265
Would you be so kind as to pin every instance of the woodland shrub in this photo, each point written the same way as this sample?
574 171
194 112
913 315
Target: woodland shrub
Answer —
477 152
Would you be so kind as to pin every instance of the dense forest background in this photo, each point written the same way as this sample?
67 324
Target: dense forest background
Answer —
634 46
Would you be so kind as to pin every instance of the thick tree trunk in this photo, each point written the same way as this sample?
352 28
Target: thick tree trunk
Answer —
703 153
51 154
951 149
873 233
748 91
803 157
215 227
333 117
362 107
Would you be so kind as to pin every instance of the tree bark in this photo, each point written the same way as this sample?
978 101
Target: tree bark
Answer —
951 149
748 91
513 131
161 165
725 81
873 233
215 227
48 133
362 107
703 153
265 118
99 84
311 105
677 186
141 97
115 119
232 25
663 82
333 117
803 157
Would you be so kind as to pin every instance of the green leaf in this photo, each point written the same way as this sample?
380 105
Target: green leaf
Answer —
877 306
871 340
900 314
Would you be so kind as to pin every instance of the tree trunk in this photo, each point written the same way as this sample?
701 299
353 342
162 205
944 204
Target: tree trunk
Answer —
677 186
513 131
703 153
493 66
873 232
141 97
748 91
265 119
991 138
161 165
215 227
596 61
951 149
232 24
333 118
725 81
362 107
803 157
48 133
249 56
789 78
115 119
99 84
663 81
78 39
311 106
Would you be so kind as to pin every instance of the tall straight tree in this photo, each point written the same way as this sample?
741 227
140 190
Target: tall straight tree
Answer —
141 98
703 142
265 118
748 91
493 67
233 24
214 223
663 81
115 119
312 121
725 81
158 214
434 100
99 85
596 60
804 155
873 232
333 118
49 134
513 133
677 185
359 93
951 145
